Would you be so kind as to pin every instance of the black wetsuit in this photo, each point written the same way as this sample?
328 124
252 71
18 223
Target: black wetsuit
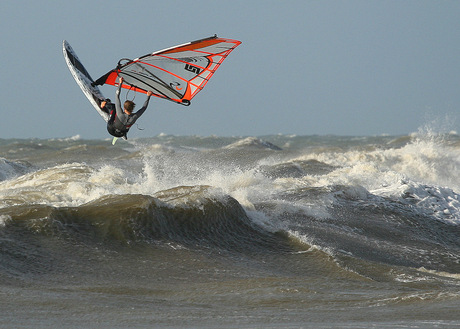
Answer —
119 122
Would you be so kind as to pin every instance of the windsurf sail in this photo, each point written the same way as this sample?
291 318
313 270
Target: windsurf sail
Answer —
177 73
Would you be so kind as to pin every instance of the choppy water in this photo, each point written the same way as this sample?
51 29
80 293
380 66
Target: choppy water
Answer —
196 232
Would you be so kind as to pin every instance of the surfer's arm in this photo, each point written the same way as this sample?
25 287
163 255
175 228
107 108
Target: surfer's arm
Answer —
144 107
120 114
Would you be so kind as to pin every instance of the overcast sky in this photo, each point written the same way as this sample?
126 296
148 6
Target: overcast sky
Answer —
304 67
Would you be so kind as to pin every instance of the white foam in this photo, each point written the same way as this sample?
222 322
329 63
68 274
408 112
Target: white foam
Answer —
68 139
10 169
420 172
441 273
63 185
252 142
4 219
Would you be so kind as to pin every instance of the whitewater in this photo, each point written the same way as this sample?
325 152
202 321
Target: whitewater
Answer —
270 231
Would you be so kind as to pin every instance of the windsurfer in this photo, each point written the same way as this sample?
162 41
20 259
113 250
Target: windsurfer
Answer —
121 119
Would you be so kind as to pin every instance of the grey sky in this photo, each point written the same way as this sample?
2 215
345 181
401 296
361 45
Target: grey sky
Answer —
305 67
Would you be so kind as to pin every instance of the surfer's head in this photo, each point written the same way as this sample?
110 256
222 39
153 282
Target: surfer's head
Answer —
129 106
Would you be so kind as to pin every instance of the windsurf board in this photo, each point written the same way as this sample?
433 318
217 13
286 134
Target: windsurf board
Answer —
83 79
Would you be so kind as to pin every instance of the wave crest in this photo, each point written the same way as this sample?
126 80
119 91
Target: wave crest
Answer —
189 216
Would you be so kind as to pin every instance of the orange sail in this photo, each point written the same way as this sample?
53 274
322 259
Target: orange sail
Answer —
177 73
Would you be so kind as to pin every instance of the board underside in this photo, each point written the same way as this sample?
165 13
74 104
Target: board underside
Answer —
83 79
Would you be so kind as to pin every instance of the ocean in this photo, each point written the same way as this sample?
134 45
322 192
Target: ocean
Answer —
272 231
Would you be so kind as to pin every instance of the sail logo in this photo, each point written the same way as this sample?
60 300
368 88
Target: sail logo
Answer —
192 69
176 85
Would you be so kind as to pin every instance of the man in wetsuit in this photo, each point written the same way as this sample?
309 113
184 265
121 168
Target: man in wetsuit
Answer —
121 119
